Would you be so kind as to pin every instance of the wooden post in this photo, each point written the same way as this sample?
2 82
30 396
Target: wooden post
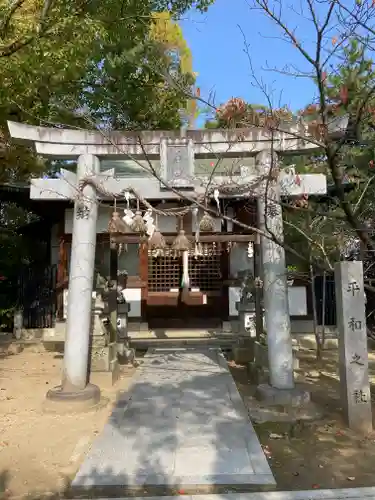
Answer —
112 295
62 271
258 289
143 272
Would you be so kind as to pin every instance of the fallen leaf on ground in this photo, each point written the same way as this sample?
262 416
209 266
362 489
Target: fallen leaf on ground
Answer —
273 435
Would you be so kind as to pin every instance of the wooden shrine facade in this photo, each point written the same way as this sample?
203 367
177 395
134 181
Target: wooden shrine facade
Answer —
153 282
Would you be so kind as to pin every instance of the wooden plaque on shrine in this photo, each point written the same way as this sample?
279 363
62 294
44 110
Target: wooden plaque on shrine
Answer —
177 163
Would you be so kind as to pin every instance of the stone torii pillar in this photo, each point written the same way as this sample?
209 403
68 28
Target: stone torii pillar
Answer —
75 371
75 391
74 388
281 388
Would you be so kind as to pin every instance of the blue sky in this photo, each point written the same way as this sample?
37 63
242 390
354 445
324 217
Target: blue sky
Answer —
223 68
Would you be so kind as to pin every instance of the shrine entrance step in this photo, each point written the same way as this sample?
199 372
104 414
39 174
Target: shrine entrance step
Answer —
222 341
181 318
182 337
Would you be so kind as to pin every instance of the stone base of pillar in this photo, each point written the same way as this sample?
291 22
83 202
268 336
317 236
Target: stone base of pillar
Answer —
59 400
282 397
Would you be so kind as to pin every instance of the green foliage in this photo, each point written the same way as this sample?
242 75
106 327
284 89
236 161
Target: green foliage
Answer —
112 60
352 79
83 64
348 90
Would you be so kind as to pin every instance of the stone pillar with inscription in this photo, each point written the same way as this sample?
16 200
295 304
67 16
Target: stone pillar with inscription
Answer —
353 360
74 390
275 289
281 389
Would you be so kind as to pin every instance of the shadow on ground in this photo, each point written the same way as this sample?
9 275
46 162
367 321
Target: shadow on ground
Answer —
147 418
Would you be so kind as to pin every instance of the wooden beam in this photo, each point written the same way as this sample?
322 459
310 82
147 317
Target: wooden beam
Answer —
203 238
62 270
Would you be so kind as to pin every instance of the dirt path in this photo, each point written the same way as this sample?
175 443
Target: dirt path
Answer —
39 451
321 454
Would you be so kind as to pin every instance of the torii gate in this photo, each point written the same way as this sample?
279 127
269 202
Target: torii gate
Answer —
89 147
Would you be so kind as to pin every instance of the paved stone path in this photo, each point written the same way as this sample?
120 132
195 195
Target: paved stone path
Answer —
343 494
182 424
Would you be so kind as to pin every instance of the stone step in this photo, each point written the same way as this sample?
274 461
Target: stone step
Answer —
336 494
145 342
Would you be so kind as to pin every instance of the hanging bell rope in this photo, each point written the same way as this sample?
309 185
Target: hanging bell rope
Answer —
185 280
183 245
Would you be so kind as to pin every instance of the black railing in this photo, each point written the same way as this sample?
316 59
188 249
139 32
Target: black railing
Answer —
37 297
330 316
325 300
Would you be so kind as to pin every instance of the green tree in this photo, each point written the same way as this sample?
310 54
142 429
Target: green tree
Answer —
75 62
104 57
130 87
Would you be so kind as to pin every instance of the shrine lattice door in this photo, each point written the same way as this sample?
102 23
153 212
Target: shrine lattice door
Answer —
207 273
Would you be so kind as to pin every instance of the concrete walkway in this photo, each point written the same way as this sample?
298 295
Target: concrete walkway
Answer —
182 424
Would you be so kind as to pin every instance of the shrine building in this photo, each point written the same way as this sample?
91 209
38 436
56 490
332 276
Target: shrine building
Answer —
177 176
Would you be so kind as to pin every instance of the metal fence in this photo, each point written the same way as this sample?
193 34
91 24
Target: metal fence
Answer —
325 300
330 317
37 296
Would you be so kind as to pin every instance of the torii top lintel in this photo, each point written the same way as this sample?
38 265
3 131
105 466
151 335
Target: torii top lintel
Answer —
69 143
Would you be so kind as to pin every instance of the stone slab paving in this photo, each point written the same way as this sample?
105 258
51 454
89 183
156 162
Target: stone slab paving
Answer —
339 494
183 423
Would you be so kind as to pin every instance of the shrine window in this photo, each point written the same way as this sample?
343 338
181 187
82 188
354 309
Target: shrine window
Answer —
165 271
